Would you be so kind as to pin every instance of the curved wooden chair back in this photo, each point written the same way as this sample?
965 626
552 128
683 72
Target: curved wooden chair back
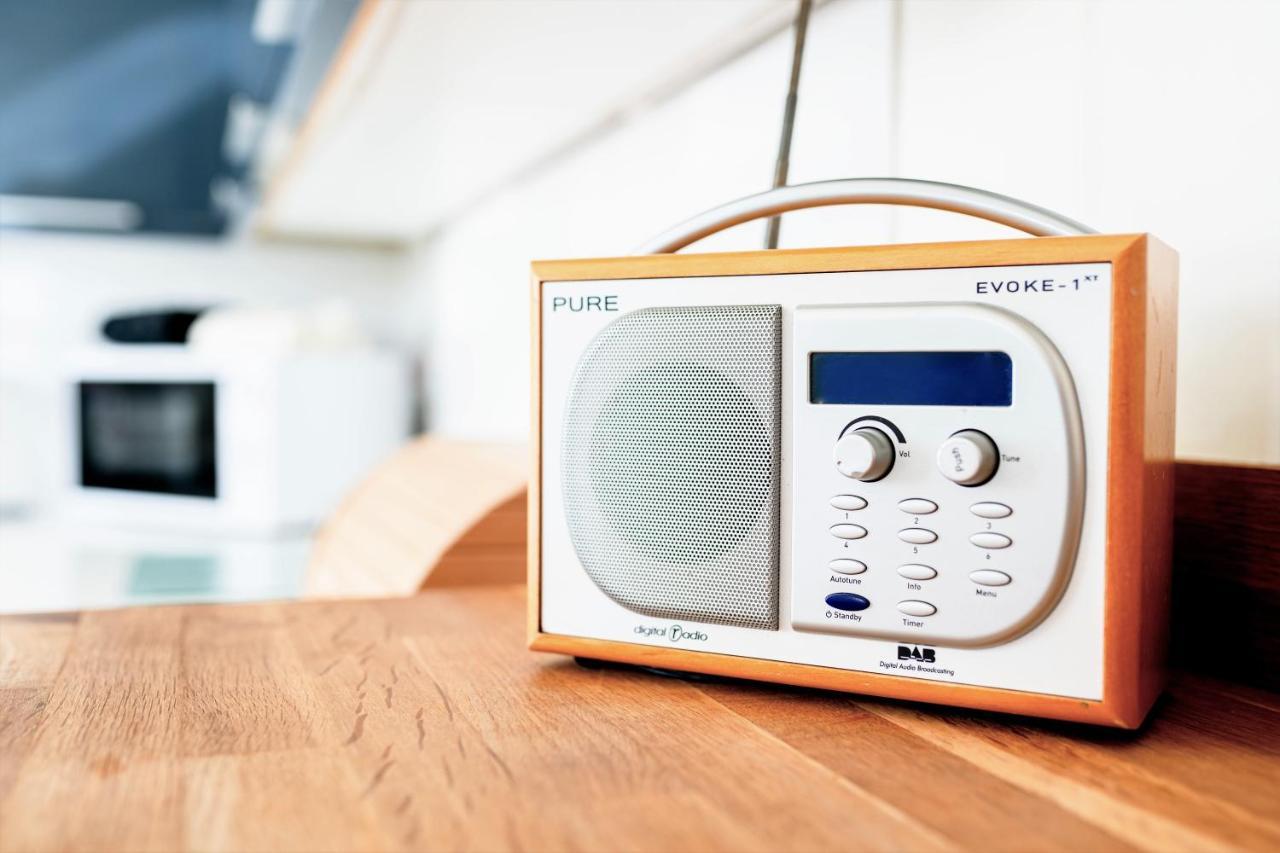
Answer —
437 513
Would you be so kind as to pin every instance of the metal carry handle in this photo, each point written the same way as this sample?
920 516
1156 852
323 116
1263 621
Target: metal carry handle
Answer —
899 191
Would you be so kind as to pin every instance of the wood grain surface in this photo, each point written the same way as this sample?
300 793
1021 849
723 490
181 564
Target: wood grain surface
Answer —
423 723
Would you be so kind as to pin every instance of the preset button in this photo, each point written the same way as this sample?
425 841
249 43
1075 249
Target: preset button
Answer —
848 503
917 535
917 506
848 531
987 539
990 509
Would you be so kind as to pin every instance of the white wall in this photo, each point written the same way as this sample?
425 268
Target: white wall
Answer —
714 142
55 290
1136 116
1130 116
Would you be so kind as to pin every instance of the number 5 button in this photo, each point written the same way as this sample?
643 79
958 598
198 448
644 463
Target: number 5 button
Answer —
917 535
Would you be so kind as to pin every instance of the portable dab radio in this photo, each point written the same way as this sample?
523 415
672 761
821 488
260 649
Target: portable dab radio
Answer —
935 472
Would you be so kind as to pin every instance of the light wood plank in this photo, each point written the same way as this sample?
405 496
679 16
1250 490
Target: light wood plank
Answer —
898 765
423 723
32 650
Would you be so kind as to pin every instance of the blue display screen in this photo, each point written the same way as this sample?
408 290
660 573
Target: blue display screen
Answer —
911 378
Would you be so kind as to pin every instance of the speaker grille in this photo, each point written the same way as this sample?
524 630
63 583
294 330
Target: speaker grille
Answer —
669 460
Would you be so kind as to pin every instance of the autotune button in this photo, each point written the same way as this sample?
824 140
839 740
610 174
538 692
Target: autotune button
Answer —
987 539
917 536
848 531
917 608
990 509
916 572
847 567
917 506
847 601
848 503
989 577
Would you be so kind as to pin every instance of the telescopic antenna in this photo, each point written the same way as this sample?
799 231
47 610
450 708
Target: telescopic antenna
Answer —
788 118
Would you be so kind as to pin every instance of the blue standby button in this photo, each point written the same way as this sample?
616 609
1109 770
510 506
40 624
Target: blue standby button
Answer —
847 601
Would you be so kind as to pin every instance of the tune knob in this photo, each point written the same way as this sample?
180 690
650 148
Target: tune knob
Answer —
969 458
865 454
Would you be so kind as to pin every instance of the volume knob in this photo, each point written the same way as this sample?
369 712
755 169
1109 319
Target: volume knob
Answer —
865 454
969 458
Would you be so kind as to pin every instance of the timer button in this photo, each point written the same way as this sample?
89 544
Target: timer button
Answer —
917 608
969 458
865 454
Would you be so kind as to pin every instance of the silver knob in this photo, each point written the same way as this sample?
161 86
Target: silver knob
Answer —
865 454
969 458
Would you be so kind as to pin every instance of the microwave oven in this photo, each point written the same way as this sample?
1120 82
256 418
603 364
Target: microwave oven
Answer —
164 436
934 472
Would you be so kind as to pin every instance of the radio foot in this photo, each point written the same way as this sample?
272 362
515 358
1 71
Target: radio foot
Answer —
595 663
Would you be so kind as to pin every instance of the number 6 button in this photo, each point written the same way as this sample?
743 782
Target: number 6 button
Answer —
990 540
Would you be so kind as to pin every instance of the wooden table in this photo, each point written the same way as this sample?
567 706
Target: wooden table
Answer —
422 723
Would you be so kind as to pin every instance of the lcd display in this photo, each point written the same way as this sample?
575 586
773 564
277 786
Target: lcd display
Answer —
148 437
911 378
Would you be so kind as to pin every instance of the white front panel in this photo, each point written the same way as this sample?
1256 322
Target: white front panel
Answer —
1042 630
913 521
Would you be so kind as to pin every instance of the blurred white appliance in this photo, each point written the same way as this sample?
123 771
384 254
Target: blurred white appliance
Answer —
20 426
259 443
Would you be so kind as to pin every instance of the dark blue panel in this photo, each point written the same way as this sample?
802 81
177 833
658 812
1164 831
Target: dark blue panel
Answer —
128 100
911 378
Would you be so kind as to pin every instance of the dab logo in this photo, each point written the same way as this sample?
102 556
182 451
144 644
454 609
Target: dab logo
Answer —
916 653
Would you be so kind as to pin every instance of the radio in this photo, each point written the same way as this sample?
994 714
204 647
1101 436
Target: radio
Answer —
935 472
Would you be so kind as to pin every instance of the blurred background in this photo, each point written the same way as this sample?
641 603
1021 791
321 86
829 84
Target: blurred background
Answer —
248 247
